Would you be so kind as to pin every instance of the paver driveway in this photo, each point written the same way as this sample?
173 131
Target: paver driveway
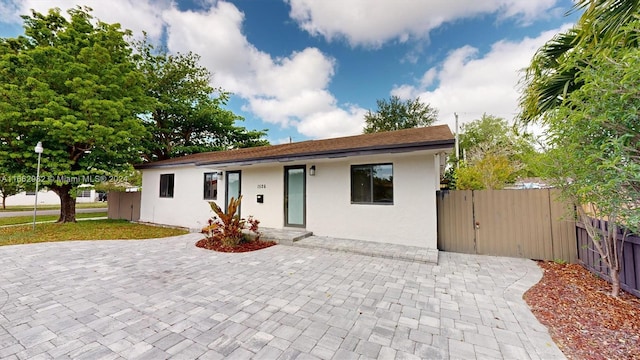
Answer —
165 298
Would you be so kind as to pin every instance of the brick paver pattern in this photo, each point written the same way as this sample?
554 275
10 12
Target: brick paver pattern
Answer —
158 299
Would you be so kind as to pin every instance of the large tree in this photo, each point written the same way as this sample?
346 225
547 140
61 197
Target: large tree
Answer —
189 114
71 84
582 84
396 114
595 149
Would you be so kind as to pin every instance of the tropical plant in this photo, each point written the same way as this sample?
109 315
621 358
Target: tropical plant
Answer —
554 70
396 114
228 227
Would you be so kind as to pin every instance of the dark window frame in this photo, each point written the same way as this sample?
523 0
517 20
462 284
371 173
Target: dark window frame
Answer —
167 184
212 194
369 196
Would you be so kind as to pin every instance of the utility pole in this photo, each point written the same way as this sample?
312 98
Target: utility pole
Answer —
457 143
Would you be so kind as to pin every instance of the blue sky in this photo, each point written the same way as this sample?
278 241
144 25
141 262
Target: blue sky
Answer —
310 69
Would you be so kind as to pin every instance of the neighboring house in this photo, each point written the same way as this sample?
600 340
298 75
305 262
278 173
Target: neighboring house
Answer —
48 197
377 187
529 183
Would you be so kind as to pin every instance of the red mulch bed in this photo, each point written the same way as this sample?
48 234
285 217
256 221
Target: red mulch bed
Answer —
583 319
243 247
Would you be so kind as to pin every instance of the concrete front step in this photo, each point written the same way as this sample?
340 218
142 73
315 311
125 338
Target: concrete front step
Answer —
285 236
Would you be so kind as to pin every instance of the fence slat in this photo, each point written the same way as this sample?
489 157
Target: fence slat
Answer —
124 205
455 221
629 251
529 223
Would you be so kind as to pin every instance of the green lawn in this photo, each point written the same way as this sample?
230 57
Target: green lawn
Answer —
83 230
93 205
28 219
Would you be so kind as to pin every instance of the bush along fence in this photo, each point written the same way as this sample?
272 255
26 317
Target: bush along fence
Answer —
629 253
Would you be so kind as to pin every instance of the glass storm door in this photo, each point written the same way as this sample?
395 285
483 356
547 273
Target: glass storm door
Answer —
294 196
232 187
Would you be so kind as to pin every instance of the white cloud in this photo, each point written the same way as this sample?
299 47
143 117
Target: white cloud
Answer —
334 123
470 84
287 91
135 15
374 22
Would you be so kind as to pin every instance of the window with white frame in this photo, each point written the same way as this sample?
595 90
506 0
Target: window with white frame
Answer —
83 193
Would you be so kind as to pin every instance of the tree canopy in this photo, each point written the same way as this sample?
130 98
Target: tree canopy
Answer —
188 115
494 154
72 85
594 137
554 72
395 114
583 85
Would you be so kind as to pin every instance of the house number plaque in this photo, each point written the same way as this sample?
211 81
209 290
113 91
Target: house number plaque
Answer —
262 186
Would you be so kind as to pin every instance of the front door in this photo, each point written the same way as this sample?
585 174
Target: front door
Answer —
232 188
294 196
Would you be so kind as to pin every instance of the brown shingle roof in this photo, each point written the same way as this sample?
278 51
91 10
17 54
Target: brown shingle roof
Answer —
433 137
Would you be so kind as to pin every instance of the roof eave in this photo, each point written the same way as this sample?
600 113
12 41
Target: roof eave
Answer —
152 165
374 150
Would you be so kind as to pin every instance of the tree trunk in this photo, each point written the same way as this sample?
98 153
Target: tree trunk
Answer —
67 203
615 282
4 202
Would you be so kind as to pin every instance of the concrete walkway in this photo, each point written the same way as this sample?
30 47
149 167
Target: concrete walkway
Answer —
157 299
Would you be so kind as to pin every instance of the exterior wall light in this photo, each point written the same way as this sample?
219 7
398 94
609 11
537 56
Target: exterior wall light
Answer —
312 170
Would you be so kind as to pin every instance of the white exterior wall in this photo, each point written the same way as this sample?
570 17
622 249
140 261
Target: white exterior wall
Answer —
269 182
45 197
187 208
411 220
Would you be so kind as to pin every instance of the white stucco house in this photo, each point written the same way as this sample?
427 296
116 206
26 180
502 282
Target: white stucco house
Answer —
48 197
376 187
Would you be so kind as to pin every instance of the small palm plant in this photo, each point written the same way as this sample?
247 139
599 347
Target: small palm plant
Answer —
229 227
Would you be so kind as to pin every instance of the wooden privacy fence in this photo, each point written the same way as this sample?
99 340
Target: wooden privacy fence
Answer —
530 223
124 205
629 250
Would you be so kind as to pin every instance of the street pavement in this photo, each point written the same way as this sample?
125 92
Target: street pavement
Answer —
166 298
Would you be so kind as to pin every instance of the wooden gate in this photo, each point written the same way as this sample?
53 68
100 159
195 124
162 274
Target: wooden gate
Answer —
529 223
124 205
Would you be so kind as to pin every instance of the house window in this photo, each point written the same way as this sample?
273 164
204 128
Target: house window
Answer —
166 185
83 193
211 186
372 184
30 193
